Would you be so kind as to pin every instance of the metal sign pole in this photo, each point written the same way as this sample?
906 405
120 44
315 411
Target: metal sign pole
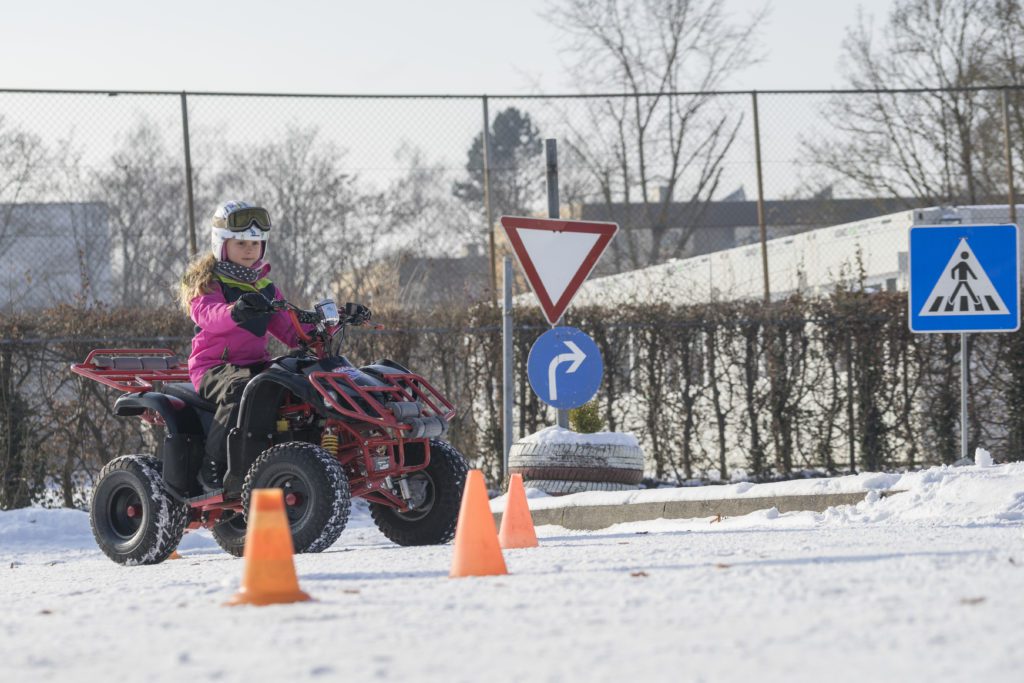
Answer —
506 368
963 395
551 152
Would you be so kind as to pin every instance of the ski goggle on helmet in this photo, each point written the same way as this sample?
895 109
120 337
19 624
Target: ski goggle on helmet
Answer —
239 221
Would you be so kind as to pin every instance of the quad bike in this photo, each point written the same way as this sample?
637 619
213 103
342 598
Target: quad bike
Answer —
310 424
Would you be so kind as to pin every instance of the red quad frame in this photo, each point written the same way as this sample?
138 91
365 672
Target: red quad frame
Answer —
385 438
373 436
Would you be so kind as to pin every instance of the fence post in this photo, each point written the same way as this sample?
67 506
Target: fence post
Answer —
487 201
760 200
507 361
188 177
1010 195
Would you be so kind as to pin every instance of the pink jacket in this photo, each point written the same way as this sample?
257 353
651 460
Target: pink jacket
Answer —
220 340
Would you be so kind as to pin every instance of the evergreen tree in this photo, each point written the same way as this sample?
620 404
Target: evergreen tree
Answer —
516 167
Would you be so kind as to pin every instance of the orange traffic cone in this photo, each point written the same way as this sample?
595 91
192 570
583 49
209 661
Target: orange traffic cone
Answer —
174 555
269 575
477 552
516 523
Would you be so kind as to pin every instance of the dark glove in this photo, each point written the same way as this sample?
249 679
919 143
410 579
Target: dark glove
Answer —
250 306
356 314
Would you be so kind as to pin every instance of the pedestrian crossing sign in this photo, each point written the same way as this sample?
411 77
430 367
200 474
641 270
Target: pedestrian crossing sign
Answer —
964 278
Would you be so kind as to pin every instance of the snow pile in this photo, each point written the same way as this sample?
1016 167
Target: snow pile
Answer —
30 530
40 528
553 435
957 495
982 458
940 495
953 495
857 483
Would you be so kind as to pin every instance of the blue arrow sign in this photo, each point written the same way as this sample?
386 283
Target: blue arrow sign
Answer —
964 278
565 367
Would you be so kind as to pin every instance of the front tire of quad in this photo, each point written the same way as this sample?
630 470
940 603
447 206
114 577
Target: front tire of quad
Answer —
133 518
317 495
230 534
433 522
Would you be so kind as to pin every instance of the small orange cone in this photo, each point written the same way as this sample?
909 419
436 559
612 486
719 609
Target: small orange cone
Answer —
516 523
174 555
477 552
269 575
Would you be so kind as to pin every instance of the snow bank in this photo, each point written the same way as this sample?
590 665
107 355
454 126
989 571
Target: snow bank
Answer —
552 435
954 494
41 528
30 530
850 484
940 495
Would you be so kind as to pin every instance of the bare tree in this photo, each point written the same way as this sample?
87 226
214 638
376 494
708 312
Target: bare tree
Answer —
1008 70
932 146
144 190
24 162
650 149
414 219
312 200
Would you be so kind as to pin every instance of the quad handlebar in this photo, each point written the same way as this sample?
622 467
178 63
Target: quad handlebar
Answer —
329 325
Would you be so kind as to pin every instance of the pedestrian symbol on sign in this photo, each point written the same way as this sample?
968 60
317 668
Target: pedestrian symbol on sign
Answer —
963 288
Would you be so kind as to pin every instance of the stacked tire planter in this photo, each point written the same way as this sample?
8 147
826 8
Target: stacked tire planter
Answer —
558 461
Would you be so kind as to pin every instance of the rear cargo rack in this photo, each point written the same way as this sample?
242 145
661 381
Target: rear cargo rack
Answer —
132 370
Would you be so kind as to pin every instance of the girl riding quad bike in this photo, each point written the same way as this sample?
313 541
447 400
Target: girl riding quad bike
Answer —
310 423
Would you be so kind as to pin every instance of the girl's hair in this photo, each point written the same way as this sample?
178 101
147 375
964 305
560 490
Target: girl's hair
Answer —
197 280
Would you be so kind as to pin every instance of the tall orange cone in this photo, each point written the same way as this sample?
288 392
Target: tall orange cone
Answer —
477 552
269 575
516 523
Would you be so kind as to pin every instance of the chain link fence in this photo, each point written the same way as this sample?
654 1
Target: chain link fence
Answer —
383 198
104 196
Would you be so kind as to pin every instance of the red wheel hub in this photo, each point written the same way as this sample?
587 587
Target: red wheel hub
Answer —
133 511
292 499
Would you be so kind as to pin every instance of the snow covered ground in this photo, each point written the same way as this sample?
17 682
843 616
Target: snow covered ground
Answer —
925 585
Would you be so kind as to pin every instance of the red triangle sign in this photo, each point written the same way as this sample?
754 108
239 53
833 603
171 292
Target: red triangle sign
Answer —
557 256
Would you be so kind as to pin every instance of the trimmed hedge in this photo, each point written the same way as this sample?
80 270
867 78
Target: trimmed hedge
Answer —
836 384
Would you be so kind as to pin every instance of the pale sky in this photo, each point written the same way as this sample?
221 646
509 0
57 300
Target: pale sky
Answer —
346 46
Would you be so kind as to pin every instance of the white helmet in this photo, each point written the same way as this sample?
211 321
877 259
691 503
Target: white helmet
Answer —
239 221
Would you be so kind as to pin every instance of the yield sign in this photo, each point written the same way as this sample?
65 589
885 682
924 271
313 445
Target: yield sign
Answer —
557 256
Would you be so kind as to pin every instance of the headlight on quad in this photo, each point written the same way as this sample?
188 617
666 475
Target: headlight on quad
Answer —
334 397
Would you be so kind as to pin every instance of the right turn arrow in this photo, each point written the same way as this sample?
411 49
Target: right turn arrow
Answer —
576 358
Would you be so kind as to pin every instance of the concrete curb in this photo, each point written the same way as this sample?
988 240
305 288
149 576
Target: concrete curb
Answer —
592 517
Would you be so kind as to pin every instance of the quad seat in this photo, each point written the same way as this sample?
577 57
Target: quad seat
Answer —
187 393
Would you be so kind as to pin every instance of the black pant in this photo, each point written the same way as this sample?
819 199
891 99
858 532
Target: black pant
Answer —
223 385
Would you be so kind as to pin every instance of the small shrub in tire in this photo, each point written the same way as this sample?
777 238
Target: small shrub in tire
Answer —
433 522
134 520
317 496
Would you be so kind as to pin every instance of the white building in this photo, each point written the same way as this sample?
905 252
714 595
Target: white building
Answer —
870 253
53 253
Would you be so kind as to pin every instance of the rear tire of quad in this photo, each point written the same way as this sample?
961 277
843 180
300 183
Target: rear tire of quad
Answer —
134 520
230 534
434 521
321 498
